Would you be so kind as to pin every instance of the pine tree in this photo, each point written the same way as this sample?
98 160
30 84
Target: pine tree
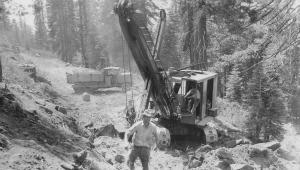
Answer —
90 29
0 70
275 115
61 21
294 107
40 27
111 37
292 82
266 107
170 54
234 86
3 27
29 37
253 96
187 29
16 29
4 18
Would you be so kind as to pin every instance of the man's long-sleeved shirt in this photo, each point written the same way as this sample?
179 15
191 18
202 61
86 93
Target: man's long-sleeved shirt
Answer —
195 93
142 135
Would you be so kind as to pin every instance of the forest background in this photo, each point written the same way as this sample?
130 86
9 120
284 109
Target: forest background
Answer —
253 45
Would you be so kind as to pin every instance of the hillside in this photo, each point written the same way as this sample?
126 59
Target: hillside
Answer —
34 135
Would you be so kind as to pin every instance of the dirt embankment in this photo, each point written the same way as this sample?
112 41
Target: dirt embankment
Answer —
35 135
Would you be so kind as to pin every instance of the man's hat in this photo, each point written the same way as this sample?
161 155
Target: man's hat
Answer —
149 113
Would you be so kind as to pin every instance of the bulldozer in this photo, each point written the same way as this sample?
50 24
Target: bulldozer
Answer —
165 90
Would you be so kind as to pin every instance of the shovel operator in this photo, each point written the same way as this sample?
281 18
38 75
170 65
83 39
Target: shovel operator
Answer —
193 97
143 132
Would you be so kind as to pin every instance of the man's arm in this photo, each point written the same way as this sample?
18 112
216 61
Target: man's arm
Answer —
189 93
130 131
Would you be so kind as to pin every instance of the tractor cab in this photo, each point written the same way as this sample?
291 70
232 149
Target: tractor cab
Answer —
114 76
195 108
103 63
111 75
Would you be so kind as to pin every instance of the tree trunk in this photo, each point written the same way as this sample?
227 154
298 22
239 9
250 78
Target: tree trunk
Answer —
202 42
0 70
83 55
200 37
60 23
225 80
190 30
83 31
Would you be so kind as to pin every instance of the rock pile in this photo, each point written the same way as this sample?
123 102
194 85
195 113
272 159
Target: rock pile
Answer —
240 157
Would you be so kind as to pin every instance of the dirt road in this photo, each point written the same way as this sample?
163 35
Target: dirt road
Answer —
105 106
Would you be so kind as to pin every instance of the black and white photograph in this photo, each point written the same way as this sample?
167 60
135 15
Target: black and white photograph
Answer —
149 84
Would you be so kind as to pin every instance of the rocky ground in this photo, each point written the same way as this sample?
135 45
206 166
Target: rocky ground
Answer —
35 135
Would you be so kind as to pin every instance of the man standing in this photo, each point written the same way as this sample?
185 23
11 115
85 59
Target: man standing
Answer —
143 131
194 96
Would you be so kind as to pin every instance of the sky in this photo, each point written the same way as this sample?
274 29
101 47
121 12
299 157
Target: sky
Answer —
27 4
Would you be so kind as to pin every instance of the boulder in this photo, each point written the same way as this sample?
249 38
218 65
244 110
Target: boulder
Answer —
80 157
195 163
3 85
223 154
89 125
229 161
211 134
258 152
95 165
241 167
86 97
284 154
119 158
47 110
40 102
2 129
5 142
282 166
164 137
223 165
263 156
31 115
107 130
265 162
272 145
109 161
67 167
221 132
61 109
191 157
233 143
175 153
